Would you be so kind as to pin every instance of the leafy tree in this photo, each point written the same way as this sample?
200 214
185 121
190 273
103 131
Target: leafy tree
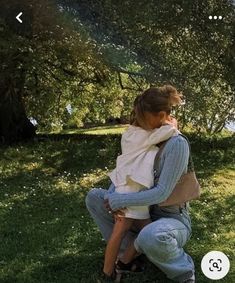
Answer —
171 41
98 55
43 67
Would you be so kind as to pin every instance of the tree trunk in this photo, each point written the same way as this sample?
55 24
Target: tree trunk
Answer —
14 124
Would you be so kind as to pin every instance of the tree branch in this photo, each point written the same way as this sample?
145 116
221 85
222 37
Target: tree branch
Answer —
120 70
126 87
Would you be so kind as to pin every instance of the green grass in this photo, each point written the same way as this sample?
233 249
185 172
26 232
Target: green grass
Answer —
47 235
102 130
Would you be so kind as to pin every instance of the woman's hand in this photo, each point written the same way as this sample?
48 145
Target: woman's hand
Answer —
171 120
114 213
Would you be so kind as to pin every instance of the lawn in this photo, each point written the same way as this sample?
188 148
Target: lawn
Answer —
47 235
100 130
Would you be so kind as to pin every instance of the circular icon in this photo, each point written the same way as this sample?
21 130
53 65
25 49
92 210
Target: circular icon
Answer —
215 265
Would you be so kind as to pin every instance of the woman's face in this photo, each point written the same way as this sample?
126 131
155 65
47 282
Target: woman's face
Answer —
155 120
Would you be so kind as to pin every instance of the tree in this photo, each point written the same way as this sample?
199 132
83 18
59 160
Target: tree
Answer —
98 55
175 42
43 66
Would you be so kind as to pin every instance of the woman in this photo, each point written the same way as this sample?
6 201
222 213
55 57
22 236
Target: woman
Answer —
162 240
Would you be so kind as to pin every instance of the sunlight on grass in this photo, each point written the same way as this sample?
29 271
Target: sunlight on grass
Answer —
225 179
102 130
63 185
96 176
31 166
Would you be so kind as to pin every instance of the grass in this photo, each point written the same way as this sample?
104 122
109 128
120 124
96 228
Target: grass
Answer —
101 130
47 235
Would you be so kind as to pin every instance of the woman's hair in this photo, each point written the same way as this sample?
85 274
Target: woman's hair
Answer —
154 100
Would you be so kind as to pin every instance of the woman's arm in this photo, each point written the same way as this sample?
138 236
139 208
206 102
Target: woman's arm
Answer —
174 162
110 190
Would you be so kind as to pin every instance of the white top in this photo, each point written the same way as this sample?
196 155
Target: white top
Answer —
139 149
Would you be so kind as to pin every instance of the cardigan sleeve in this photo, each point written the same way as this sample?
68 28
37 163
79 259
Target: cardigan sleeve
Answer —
110 190
173 164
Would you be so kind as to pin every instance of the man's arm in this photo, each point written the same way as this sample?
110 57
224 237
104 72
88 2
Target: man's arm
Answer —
175 159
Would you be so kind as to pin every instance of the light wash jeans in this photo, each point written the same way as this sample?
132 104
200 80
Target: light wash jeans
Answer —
161 241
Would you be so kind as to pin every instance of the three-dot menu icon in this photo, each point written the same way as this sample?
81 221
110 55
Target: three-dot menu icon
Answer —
215 17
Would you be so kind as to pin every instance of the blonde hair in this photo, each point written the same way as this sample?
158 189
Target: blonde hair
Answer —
154 100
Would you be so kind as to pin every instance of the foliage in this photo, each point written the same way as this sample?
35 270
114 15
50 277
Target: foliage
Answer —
59 64
175 42
98 55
